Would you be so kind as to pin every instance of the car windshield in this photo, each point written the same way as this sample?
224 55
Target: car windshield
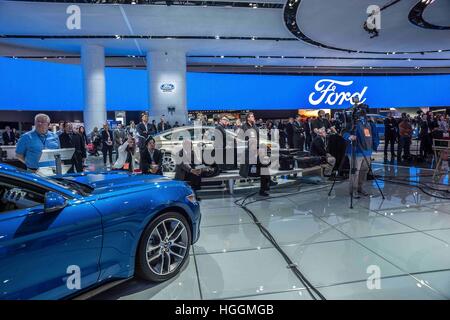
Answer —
69 185
78 188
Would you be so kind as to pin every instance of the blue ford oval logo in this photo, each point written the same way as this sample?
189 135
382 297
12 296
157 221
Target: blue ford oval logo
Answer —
167 87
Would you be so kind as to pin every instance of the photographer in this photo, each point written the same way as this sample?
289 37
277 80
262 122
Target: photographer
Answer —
363 138
126 155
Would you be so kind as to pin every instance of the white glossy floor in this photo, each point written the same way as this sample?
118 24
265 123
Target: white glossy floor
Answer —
406 238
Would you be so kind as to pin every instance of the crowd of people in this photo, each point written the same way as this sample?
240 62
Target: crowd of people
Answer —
428 126
122 140
322 136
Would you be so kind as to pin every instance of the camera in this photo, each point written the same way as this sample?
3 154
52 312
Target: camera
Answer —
360 110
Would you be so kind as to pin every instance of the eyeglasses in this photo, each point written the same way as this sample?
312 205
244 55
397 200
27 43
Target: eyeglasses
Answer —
42 122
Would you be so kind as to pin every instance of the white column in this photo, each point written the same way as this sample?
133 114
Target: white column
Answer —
93 65
167 85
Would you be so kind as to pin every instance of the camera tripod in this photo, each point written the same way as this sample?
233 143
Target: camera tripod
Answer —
352 170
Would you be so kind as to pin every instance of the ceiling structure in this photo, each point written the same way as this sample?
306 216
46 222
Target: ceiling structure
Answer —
276 36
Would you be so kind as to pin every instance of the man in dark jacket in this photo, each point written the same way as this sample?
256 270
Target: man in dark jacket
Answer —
390 135
282 134
299 134
186 170
425 137
307 130
163 126
69 139
220 143
143 132
151 158
319 149
290 133
320 122
9 138
251 132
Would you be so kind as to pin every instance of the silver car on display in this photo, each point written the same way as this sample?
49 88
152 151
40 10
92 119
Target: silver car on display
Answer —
202 137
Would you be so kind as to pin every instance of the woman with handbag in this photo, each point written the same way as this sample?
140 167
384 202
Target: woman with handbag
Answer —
107 144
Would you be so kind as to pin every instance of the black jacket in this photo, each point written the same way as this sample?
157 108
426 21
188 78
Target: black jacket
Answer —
160 127
104 135
146 160
144 131
390 128
320 123
9 139
306 128
244 168
222 145
299 130
318 147
73 140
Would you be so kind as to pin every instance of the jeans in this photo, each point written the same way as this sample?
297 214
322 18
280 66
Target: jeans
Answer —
107 152
403 146
360 176
389 140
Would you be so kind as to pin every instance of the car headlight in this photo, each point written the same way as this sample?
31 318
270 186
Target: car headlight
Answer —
191 198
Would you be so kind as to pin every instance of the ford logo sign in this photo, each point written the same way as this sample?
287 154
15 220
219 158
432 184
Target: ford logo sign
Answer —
167 87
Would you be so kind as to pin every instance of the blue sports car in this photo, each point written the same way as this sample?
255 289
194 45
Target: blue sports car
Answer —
61 236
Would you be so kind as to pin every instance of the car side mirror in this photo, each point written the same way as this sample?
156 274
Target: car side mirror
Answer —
54 202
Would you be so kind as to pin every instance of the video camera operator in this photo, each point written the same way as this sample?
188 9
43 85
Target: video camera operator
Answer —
363 139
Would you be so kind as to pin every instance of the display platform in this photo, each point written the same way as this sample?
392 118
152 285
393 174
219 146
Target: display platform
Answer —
336 248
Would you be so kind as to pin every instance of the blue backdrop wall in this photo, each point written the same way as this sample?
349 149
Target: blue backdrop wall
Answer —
30 85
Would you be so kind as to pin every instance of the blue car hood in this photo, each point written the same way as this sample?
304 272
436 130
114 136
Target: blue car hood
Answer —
115 181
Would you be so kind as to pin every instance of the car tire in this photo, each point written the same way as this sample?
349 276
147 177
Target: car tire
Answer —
158 248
